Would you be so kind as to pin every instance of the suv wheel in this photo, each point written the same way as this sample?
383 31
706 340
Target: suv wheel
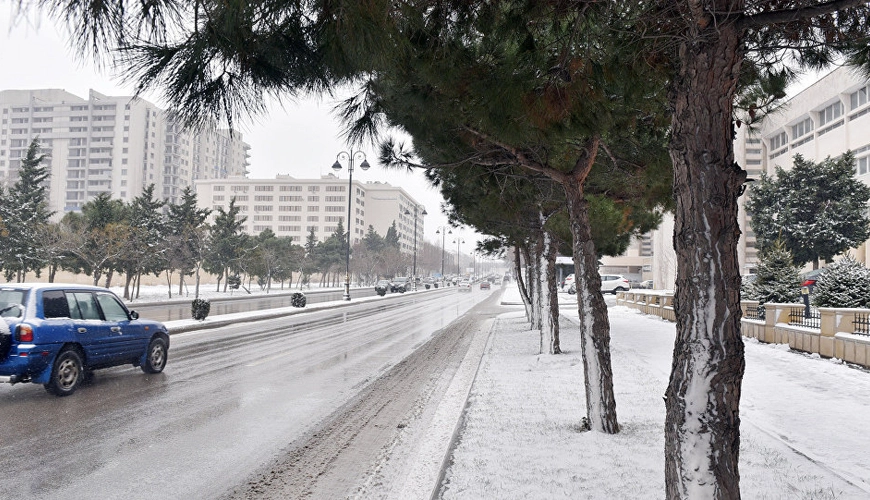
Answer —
155 357
66 373
619 289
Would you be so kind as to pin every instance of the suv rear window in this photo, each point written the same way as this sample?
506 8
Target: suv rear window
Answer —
9 297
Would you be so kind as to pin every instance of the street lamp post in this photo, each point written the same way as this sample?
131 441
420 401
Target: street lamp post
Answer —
349 157
443 231
414 269
458 241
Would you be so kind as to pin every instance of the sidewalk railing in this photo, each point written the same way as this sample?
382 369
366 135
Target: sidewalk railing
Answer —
830 332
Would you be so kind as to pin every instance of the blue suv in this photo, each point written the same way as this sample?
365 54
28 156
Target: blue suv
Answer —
56 335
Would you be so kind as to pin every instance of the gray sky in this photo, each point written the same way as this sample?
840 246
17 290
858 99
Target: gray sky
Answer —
299 138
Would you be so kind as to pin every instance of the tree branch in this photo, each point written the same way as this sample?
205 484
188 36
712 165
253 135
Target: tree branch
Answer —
789 15
521 158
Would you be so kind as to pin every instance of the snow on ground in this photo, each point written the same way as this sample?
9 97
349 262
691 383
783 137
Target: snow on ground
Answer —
803 430
803 420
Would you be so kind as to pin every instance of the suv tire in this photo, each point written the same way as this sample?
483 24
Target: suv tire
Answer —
67 373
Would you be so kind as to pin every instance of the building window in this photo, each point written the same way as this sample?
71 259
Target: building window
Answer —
859 98
263 188
862 166
778 141
313 188
218 188
314 199
802 128
830 113
314 208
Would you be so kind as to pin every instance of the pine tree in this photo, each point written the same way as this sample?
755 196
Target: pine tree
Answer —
845 283
818 210
26 215
777 280
187 228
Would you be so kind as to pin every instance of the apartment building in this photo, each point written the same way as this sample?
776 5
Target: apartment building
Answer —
387 204
114 144
294 207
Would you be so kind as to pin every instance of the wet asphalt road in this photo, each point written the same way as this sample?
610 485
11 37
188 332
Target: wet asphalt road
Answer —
229 401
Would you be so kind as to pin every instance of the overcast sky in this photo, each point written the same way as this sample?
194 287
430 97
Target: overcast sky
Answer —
300 138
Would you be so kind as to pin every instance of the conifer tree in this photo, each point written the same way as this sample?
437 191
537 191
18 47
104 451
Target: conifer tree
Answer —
777 278
845 283
817 209
25 214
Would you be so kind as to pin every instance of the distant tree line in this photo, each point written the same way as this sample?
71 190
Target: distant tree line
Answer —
109 237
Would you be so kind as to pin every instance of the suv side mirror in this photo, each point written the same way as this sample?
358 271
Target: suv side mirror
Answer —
134 315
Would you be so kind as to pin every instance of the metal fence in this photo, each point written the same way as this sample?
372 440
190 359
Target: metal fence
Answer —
798 316
756 312
862 323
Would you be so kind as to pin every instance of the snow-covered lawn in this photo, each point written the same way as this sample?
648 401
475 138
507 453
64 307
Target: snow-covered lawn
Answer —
804 420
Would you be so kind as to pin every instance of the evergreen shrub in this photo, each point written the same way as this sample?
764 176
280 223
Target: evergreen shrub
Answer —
845 283
298 299
777 279
200 309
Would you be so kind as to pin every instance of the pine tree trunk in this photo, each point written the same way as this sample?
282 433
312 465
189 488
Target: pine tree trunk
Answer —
594 324
544 293
552 312
521 285
702 426
523 282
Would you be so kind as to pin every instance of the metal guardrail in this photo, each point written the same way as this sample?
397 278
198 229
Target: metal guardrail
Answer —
797 316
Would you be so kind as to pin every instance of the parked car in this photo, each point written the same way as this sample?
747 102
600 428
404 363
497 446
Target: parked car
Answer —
610 283
400 284
569 280
484 285
613 283
464 286
647 284
381 287
56 335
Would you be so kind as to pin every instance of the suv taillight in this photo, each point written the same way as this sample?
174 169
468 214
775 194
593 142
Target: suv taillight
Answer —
24 333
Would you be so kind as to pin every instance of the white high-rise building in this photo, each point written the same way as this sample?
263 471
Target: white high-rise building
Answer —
110 144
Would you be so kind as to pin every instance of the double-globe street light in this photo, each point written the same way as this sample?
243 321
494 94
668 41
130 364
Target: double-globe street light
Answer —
349 157
414 269
443 231
458 241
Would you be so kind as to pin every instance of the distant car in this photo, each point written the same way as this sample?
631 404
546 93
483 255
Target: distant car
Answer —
614 283
464 286
647 284
56 335
484 285
400 284
382 286
569 280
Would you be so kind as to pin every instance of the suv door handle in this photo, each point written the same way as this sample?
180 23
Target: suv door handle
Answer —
83 330
116 328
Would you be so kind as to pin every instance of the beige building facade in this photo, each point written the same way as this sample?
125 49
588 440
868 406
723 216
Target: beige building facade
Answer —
294 207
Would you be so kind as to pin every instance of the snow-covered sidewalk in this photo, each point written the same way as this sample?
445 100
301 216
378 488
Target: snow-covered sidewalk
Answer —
804 419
